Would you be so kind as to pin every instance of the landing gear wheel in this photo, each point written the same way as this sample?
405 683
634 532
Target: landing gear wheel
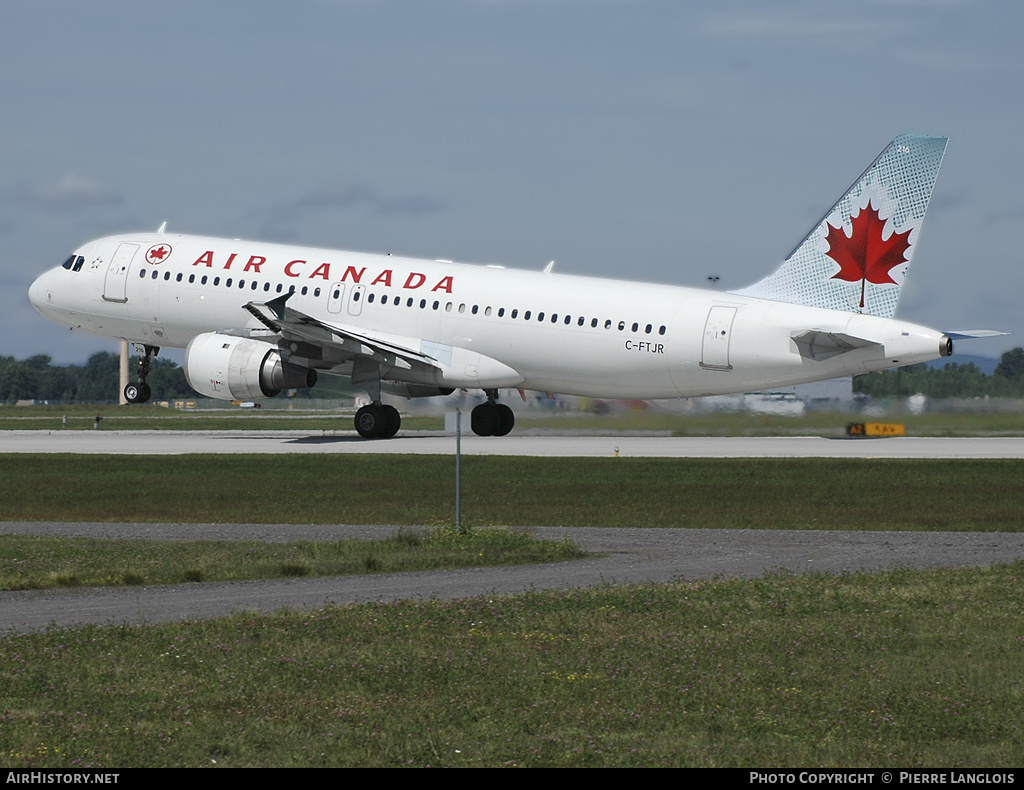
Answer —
137 393
485 420
506 420
392 422
371 421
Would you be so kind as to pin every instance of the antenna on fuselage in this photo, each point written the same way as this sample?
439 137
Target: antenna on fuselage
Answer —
162 226
549 267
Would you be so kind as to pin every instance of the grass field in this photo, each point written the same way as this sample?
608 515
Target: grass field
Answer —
901 494
35 563
899 669
902 669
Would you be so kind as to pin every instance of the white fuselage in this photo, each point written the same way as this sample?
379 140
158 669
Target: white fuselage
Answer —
558 333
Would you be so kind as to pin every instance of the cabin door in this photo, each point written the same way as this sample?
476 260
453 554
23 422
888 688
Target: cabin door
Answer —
116 281
717 336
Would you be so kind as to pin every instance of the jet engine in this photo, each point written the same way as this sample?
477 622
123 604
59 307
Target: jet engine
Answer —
239 368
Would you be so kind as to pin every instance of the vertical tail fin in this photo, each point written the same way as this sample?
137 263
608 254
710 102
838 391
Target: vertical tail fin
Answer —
857 256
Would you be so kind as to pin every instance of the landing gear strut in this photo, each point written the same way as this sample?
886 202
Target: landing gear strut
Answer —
492 419
140 391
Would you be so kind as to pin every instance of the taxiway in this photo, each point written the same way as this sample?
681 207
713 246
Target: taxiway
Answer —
537 445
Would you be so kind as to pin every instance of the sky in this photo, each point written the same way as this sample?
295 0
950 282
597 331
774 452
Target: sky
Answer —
651 140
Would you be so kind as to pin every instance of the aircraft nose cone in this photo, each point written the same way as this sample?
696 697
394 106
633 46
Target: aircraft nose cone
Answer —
40 294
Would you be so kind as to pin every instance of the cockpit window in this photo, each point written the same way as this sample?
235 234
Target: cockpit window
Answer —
68 263
74 263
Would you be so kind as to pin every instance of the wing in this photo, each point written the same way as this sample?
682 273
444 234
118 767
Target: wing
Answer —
357 352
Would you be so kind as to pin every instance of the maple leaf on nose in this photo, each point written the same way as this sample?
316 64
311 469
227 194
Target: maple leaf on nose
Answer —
865 255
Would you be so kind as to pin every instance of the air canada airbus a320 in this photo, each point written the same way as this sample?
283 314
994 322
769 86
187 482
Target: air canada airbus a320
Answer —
259 318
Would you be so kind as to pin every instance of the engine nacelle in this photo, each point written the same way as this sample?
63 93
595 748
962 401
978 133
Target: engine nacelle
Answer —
239 368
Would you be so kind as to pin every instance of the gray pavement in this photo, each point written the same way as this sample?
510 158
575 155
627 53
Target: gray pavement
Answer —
629 555
429 442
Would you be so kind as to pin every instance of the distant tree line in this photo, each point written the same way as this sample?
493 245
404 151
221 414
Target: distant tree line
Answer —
97 381
949 381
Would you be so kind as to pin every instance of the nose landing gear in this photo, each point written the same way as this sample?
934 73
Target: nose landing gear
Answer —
140 391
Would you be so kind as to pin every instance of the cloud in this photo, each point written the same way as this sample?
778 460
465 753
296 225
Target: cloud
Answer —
786 27
278 222
72 193
362 197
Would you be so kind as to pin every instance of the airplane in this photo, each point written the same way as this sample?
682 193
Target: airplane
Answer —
257 318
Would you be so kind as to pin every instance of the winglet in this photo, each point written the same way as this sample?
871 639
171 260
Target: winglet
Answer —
278 304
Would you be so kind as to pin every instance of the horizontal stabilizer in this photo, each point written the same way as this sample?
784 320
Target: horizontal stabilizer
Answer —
817 344
967 334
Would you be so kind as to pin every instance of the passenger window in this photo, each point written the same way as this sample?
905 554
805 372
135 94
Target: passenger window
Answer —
370 298
142 273
475 308
648 329
526 316
227 283
316 292
279 288
203 280
622 325
178 277
501 312
515 313
462 308
661 331
191 278
540 316
408 302
436 304
593 322
581 321
636 326
305 290
487 310
155 275
608 323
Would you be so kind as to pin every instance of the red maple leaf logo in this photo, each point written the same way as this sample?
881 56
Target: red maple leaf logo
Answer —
865 255
157 253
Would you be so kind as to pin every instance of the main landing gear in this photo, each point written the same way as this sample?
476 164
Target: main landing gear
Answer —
378 421
492 419
140 391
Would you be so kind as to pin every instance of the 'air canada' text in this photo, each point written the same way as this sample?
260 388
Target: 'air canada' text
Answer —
301 268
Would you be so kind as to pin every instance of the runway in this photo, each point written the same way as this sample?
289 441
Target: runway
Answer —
628 555
536 445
